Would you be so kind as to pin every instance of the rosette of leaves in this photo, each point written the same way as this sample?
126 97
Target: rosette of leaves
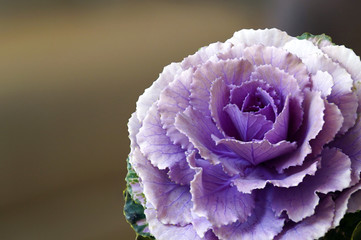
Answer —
254 138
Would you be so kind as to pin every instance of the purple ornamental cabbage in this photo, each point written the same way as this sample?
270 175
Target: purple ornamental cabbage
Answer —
255 138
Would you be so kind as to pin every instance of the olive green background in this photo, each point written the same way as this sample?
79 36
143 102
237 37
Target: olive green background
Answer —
70 74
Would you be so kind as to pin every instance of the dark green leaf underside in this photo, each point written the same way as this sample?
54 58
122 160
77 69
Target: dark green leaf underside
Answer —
349 228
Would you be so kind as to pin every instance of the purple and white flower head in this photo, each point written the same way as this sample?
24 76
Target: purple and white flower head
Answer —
258 137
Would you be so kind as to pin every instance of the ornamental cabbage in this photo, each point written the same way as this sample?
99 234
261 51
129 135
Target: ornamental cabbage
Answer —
258 137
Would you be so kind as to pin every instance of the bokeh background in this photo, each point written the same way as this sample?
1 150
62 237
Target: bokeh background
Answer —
70 74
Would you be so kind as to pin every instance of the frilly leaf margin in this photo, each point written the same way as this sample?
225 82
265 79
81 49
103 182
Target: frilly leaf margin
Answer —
133 210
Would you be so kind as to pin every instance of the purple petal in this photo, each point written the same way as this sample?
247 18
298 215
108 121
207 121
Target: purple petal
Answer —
333 122
256 152
215 199
341 93
335 173
350 144
354 203
231 71
312 125
266 37
323 82
133 128
151 94
201 224
268 112
200 130
172 201
155 144
281 59
204 54
181 173
299 202
342 203
284 85
260 176
348 105
279 130
348 60
241 94
263 224
165 232
174 99
312 227
249 125
219 99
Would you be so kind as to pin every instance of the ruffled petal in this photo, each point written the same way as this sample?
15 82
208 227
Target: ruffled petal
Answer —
281 59
312 124
174 99
133 129
231 71
285 85
346 57
151 94
267 37
172 201
219 99
244 95
341 93
249 125
165 232
155 144
299 202
215 199
354 203
279 129
348 60
342 203
181 173
200 130
201 224
350 144
333 122
348 105
262 225
260 176
323 82
312 227
204 54
256 152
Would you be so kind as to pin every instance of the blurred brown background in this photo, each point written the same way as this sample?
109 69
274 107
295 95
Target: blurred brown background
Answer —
71 72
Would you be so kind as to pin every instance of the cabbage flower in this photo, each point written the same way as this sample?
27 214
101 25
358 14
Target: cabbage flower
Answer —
258 137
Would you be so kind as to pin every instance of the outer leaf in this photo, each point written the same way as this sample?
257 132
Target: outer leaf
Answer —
134 214
357 232
349 228
317 39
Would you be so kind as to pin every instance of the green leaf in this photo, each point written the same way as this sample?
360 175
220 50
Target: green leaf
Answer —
316 39
140 237
349 228
131 177
133 210
356 235
319 37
